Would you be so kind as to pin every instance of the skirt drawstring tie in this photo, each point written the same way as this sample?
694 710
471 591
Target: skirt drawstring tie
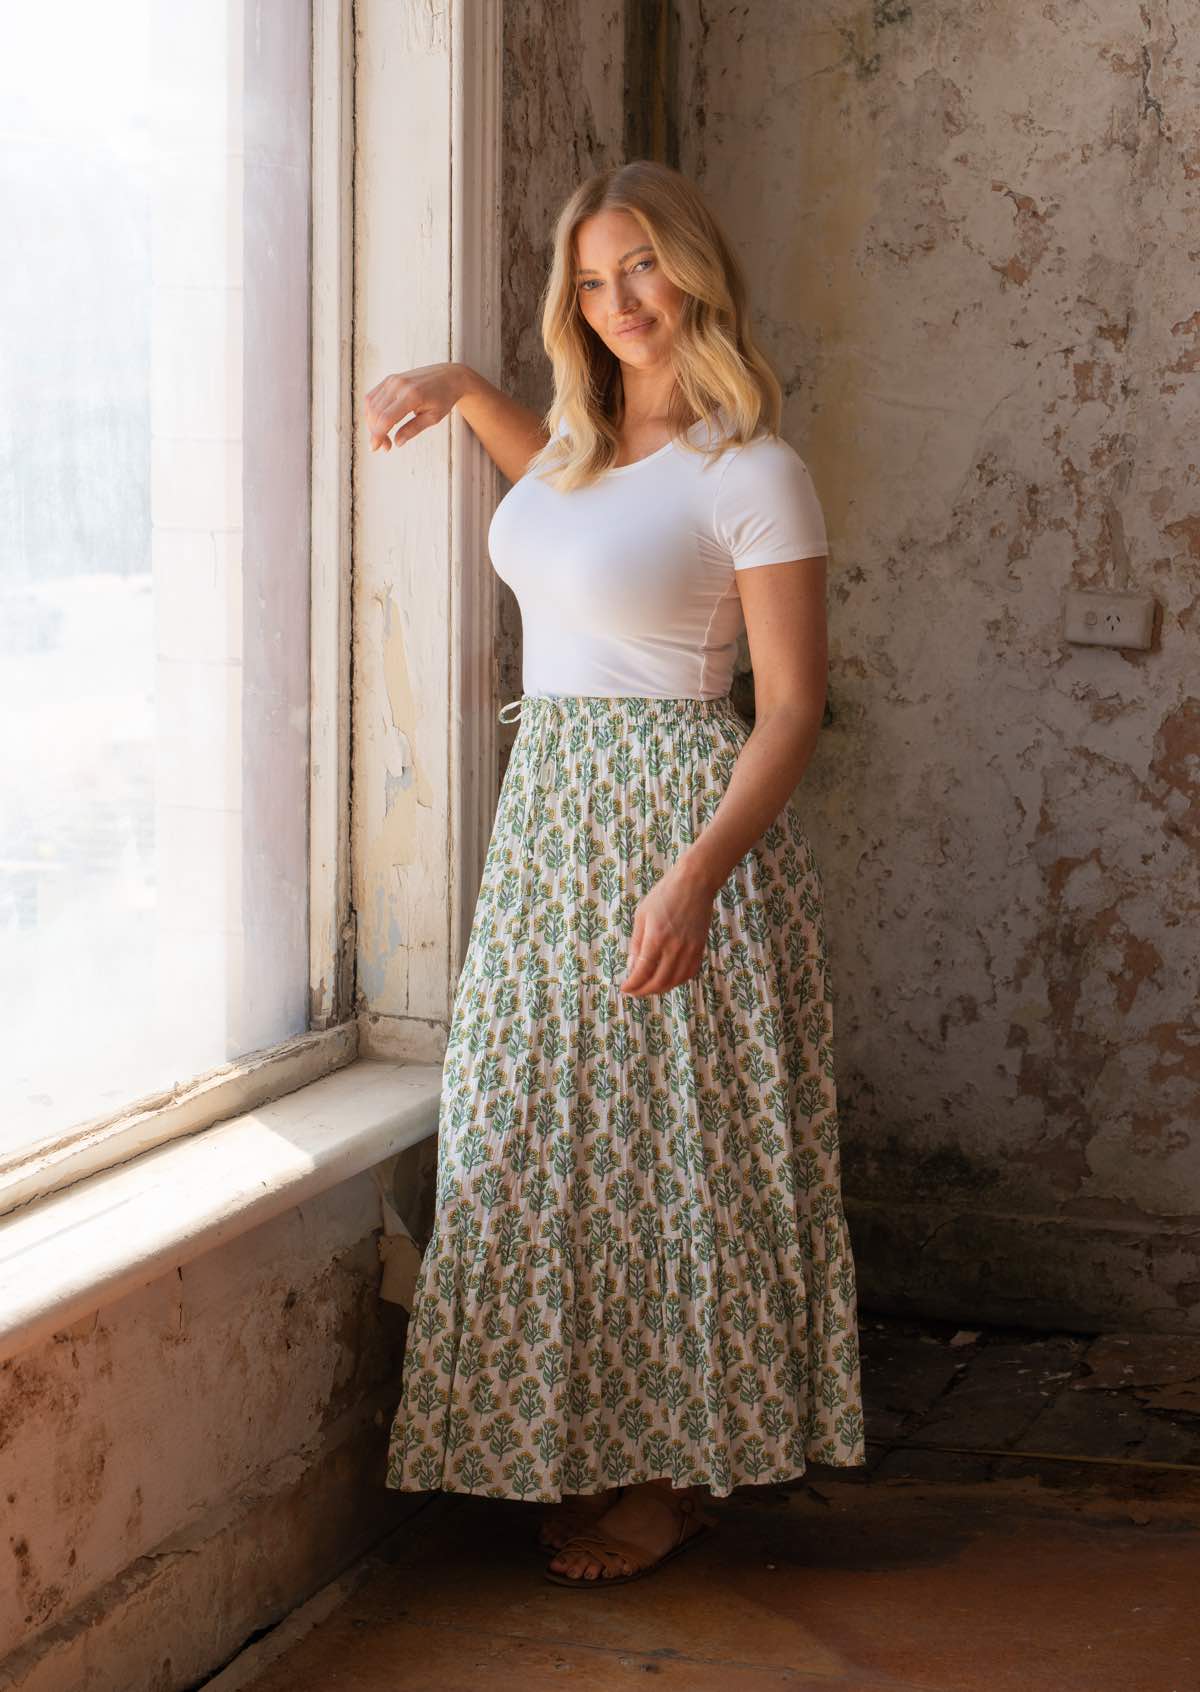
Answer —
501 718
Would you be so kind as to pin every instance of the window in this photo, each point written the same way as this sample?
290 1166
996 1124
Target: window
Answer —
154 549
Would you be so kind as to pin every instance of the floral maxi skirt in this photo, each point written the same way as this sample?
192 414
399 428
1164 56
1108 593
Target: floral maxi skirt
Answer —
640 1265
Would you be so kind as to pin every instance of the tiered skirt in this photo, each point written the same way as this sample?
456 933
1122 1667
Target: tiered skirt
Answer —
640 1265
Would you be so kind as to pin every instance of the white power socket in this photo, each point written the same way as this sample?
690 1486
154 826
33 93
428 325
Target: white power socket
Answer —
1094 617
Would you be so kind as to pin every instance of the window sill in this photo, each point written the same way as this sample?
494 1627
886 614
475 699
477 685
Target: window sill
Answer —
115 1231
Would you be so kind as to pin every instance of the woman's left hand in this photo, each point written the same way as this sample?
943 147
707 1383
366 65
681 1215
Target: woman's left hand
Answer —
670 932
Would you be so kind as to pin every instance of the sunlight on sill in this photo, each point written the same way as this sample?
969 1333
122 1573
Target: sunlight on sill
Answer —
110 1233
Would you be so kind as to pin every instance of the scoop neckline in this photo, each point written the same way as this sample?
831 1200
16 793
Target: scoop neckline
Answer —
620 469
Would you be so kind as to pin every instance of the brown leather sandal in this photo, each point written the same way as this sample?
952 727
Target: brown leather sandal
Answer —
611 1552
575 1514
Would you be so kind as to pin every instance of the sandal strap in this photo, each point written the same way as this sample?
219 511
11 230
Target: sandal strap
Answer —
610 1552
608 1546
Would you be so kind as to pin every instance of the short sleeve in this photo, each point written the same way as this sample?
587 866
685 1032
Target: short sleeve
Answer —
767 510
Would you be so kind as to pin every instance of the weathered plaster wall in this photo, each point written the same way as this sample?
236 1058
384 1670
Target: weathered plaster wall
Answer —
972 237
184 1467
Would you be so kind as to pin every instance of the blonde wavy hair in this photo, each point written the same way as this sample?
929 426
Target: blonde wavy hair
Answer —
716 361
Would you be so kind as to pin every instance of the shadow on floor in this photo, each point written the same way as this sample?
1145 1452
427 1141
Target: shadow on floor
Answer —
1028 1519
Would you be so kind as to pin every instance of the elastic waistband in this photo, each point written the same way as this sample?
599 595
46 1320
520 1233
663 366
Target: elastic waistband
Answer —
670 706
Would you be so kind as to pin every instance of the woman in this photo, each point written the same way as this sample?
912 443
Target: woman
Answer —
640 1285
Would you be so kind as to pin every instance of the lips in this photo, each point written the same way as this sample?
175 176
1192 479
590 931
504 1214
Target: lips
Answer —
642 323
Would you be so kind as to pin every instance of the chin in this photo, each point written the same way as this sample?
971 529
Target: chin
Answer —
629 349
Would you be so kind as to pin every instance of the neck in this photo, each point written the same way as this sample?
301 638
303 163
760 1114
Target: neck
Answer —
646 395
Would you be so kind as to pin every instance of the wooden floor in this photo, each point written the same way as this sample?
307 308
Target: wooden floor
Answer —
1029 1521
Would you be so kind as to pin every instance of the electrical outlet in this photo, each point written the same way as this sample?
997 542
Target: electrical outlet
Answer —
1092 617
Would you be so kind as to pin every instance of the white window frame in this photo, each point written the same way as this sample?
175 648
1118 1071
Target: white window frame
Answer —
335 1017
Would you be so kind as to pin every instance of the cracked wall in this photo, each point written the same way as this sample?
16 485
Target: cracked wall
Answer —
972 242
151 1450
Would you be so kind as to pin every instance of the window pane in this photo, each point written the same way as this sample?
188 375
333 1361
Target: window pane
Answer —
154 414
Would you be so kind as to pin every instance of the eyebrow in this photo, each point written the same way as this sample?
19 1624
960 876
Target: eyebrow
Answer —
645 248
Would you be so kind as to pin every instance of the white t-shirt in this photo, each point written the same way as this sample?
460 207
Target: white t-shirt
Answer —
628 586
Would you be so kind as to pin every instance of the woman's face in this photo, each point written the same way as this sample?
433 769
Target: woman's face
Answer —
622 292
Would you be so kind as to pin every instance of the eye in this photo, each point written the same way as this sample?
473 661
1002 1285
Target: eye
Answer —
586 286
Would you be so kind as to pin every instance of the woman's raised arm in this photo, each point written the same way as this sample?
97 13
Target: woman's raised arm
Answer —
510 433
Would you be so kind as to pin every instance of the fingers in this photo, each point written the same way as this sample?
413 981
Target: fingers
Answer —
414 426
385 405
636 967
426 393
661 956
381 419
382 407
657 970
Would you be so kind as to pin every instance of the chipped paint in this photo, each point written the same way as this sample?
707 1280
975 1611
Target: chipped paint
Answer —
405 782
139 1437
967 253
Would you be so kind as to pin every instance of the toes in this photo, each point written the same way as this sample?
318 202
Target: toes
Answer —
576 1565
